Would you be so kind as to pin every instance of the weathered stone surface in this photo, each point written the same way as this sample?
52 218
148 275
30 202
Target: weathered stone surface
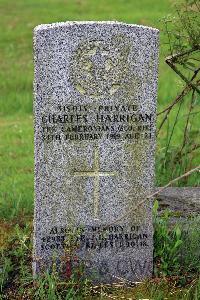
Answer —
183 200
95 108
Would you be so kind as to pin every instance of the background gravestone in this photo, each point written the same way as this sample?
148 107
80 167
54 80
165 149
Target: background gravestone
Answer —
95 107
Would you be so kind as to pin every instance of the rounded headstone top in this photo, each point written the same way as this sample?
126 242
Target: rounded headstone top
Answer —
90 23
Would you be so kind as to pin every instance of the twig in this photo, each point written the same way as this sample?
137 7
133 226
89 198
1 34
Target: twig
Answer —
187 122
194 147
177 99
123 280
175 56
184 92
170 61
155 193
175 122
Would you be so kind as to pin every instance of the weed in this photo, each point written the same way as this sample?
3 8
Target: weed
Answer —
167 243
17 282
16 271
189 250
5 268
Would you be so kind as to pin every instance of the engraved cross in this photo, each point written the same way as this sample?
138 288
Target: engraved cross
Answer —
96 173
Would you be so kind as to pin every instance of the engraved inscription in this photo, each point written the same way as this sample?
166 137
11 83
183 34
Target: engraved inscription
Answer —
86 122
97 238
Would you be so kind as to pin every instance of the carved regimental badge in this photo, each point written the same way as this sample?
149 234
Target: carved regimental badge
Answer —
100 69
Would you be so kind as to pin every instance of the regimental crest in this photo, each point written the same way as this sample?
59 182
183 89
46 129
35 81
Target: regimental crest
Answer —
99 68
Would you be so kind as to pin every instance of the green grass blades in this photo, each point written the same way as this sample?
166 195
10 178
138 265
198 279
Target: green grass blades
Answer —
16 281
16 171
176 245
18 18
167 243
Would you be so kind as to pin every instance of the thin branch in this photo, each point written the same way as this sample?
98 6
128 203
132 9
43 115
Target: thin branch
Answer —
185 91
173 58
196 169
192 58
175 122
187 122
189 68
168 109
194 147
197 5
168 34
193 113
169 61
180 96
182 93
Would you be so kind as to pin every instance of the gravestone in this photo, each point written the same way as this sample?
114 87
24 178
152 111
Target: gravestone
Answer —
95 107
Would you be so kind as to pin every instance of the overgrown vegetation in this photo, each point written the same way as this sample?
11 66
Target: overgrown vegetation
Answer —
176 256
167 245
176 248
16 75
183 56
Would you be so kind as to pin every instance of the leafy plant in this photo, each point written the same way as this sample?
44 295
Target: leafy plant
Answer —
52 287
15 267
167 244
190 256
183 56
5 268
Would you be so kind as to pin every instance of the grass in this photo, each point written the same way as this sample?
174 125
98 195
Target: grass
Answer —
16 173
18 18
169 282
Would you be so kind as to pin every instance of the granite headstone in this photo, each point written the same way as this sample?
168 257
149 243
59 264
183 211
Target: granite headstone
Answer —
95 93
